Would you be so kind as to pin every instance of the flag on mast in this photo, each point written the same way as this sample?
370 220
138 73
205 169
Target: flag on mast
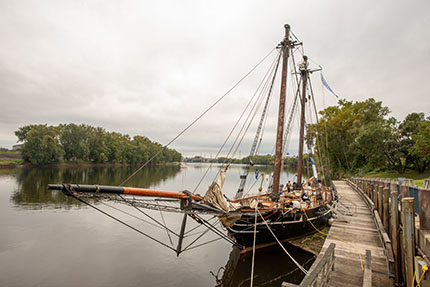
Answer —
324 82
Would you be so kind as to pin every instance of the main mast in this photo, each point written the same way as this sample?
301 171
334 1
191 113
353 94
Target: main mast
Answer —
280 131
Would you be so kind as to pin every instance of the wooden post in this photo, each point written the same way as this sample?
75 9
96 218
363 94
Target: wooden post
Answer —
370 190
385 209
408 240
424 208
380 188
366 189
375 195
367 276
404 191
394 231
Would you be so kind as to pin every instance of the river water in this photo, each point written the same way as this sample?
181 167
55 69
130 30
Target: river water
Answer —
49 239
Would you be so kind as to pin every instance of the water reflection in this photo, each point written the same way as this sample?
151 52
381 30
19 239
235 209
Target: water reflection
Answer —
30 237
32 193
272 263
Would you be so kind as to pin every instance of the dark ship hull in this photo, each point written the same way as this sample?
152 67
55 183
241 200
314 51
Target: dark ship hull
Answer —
285 226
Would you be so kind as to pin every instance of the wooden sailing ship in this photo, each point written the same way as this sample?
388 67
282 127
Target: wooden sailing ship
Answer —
266 218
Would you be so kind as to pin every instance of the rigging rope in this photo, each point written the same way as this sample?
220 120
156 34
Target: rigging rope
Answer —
122 222
253 112
198 118
258 134
216 231
280 244
134 216
235 125
320 155
144 213
200 220
164 223
253 250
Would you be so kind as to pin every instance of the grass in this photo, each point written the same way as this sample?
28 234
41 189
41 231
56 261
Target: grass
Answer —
11 161
418 177
8 151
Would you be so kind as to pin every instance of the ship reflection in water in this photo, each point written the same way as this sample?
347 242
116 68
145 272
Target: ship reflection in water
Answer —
272 267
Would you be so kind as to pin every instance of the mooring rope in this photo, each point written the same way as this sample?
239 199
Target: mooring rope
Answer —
253 250
280 244
346 242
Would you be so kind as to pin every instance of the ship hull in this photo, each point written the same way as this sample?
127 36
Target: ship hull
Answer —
284 226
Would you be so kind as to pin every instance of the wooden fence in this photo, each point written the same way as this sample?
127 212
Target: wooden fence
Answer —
402 211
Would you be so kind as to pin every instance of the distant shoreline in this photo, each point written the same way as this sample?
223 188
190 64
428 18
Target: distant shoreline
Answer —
63 164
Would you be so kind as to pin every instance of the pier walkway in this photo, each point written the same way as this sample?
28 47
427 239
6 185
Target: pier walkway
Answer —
358 229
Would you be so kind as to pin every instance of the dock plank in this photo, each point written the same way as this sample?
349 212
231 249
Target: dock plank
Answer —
360 231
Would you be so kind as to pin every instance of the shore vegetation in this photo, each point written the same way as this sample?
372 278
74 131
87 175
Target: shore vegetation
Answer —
43 144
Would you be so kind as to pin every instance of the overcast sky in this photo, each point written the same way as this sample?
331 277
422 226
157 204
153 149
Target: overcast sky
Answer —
151 67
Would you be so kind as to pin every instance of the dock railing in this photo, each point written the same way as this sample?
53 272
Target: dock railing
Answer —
320 274
402 214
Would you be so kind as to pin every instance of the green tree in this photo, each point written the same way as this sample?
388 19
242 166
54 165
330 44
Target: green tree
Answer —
41 144
421 148
353 135
46 144
409 130
98 150
74 140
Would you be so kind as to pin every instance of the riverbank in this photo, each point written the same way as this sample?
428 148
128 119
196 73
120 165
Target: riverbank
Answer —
20 164
412 174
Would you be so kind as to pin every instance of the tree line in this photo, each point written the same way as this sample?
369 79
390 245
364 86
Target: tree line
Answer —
360 135
43 144
268 159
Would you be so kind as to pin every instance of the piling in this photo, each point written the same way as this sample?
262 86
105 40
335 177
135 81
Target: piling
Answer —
385 209
408 241
379 207
394 231
424 209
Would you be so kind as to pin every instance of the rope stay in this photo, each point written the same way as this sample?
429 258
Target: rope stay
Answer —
294 108
258 135
198 118
235 125
156 206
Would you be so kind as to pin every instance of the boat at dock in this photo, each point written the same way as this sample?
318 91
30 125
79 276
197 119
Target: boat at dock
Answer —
263 213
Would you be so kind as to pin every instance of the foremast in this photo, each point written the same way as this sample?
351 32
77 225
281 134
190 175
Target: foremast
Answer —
281 114
304 72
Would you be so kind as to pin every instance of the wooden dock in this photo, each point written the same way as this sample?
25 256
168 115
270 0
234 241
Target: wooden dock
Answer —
359 230
386 220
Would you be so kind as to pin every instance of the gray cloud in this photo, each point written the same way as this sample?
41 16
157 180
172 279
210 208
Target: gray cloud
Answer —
150 67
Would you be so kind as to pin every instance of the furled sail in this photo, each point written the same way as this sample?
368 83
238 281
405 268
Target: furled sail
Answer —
216 198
